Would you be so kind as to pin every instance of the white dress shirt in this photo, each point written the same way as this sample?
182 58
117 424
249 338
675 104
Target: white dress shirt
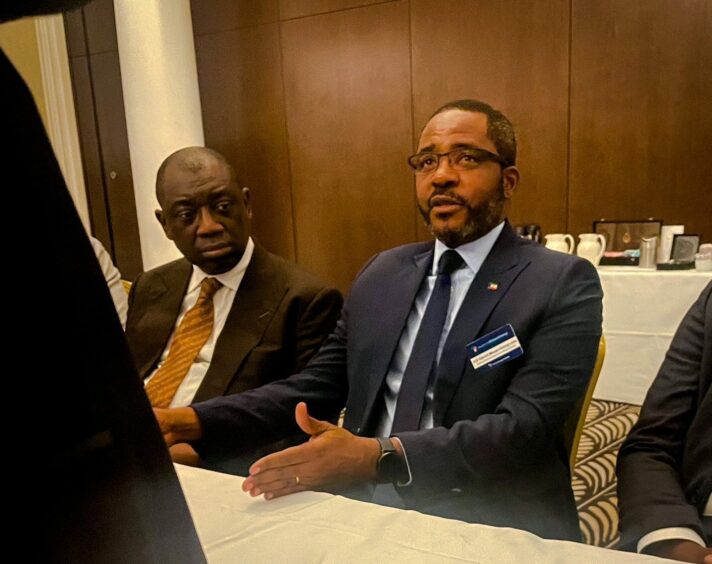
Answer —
222 302
113 280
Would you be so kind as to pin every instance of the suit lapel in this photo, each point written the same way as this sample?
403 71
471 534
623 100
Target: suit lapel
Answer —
396 301
500 269
169 291
253 308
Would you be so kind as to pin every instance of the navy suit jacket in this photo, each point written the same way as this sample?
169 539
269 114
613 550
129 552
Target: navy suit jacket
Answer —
496 454
665 464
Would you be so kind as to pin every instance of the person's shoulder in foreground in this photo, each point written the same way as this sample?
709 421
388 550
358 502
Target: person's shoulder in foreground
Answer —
98 482
665 464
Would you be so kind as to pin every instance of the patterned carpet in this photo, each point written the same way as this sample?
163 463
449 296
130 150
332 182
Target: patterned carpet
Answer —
594 476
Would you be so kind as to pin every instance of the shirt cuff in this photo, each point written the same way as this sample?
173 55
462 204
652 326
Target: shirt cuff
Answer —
670 533
405 457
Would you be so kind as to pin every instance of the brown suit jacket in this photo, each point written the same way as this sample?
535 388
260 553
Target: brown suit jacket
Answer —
278 320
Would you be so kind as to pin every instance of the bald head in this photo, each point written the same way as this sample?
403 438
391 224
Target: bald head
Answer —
193 160
203 209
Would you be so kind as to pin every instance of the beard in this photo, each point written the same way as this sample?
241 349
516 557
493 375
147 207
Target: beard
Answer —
481 219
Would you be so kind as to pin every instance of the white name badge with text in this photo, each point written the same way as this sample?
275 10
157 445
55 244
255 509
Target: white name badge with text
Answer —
495 348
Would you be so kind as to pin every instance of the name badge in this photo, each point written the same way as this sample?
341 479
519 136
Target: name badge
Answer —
495 348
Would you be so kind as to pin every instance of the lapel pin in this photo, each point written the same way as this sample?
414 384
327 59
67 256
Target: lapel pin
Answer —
492 286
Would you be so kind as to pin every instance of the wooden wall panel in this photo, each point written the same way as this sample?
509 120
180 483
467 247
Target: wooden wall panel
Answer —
289 9
211 16
243 117
514 56
91 153
74 33
98 100
100 26
347 93
118 178
641 126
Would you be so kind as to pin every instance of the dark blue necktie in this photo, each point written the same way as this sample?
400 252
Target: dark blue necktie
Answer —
423 357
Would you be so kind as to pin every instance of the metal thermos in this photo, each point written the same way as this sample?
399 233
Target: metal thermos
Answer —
648 252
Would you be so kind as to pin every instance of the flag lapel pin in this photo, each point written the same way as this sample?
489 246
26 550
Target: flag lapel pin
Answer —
492 286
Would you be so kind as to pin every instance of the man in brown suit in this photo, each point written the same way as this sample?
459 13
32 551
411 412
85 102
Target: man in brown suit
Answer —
270 317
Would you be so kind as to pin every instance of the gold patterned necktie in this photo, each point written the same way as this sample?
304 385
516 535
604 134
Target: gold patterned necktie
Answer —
191 335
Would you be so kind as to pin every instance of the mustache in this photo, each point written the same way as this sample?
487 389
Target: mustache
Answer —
445 199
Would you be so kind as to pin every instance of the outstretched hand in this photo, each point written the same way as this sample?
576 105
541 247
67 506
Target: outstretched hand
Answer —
333 457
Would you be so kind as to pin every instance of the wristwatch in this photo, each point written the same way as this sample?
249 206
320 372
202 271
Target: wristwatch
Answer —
390 468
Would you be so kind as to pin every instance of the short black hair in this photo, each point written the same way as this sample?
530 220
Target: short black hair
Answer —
499 129
192 159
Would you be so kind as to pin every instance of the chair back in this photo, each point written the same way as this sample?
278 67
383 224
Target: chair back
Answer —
576 421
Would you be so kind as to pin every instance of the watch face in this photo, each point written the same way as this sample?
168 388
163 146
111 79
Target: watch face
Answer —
390 467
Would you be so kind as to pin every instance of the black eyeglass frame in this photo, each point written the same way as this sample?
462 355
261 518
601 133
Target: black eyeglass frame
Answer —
490 156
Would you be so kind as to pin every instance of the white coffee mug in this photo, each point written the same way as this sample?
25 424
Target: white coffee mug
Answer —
591 247
562 242
705 249
703 262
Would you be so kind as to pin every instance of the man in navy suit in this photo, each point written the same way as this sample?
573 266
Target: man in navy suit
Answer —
458 361
665 464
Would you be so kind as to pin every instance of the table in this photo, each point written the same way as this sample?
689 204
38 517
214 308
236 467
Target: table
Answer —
641 311
317 527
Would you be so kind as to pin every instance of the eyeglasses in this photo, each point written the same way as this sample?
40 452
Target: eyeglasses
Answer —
459 159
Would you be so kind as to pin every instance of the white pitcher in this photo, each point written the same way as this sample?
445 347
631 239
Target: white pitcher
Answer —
591 247
562 242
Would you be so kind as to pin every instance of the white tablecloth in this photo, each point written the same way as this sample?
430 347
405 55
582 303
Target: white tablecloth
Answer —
316 527
641 311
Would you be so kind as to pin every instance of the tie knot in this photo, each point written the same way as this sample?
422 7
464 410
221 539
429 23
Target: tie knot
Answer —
450 261
208 287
